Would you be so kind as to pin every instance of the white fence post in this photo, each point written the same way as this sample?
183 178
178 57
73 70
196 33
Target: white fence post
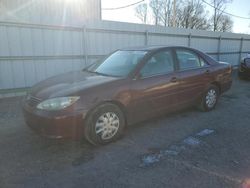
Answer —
240 51
189 39
146 37
84 45
219 48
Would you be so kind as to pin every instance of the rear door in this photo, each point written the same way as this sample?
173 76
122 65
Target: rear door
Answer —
194 75
153 92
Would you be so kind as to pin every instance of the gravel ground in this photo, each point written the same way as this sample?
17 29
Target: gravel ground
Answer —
185 149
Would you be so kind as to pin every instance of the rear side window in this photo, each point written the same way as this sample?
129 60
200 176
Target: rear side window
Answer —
189 60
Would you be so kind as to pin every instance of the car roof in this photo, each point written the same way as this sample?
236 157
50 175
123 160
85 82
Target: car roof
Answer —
158 48
152 48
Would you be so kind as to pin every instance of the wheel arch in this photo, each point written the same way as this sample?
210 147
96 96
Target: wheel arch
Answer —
114 102
218 85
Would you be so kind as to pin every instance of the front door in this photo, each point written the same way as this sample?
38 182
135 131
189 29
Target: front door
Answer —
155 90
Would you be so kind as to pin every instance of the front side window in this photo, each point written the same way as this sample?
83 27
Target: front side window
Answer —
118 64
188 60
158 64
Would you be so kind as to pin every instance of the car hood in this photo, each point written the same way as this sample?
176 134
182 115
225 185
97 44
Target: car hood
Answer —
68 84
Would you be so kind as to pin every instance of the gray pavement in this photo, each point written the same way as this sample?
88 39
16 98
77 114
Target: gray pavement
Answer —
186 149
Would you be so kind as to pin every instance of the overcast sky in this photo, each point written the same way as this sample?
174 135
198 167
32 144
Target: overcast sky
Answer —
237 7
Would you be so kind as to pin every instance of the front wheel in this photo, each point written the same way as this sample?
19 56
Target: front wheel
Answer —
210 98
104 124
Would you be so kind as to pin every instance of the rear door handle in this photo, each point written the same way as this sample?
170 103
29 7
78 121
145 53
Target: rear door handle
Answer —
174 79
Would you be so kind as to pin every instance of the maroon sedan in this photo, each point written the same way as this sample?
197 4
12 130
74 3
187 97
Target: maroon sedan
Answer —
128 86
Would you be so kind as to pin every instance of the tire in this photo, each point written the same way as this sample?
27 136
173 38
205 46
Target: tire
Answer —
208 102
104 124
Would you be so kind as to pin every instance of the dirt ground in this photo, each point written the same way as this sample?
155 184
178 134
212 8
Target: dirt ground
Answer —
185 149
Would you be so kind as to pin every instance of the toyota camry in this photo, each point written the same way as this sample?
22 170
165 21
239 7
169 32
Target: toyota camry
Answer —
127 86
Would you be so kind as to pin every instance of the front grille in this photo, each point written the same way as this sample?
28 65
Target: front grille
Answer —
32 101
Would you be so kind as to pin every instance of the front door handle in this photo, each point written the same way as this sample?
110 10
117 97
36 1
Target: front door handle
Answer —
174 79
207 71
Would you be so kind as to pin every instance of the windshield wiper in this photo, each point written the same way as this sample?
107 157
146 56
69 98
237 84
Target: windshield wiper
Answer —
99 73
95 72
102 74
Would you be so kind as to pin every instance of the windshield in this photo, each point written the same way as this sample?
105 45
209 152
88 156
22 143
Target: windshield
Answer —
118 64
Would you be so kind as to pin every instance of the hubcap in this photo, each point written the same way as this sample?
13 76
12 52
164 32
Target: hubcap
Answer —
211 98
107 125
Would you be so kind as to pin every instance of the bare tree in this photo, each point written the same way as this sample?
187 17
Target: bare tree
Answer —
193 15
219 8
225 24
156 6
166 12
190 14
141 11
163 11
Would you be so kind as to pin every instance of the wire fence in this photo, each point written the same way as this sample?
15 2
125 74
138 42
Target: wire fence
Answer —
30 53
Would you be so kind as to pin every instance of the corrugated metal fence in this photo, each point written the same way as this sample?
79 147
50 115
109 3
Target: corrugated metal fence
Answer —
30 53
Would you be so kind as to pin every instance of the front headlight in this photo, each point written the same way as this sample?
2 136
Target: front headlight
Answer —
57 103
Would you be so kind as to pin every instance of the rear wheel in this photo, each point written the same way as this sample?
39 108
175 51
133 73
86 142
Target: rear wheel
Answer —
105 124
209 98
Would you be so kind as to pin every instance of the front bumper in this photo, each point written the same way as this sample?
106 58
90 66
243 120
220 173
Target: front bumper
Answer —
69 126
